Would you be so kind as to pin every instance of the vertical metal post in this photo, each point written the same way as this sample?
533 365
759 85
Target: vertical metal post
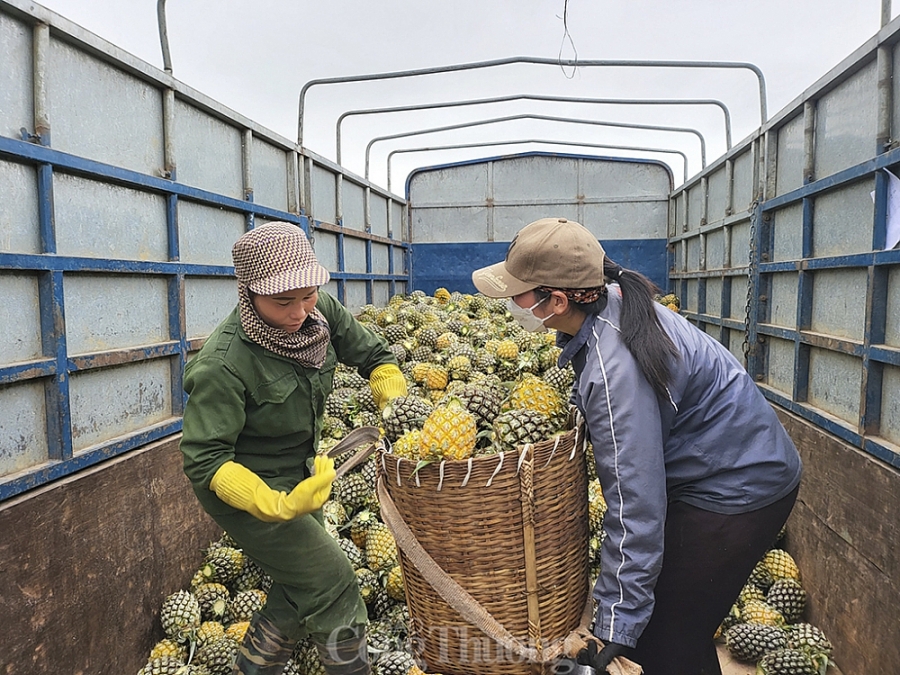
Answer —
293 179
809 142
885 104
41 55
247 174
169 168
885 12
53 343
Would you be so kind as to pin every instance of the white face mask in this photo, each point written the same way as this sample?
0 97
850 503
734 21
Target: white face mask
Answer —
525 316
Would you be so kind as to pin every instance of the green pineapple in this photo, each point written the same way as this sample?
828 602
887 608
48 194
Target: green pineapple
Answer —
243 605
560 378
515 428
180 616
394 663
788 597
809 638
356 557
481 400
750 592
251 576
213 599
218 656
163 665
359 526
368 584
749 641
790 662
353 491
460 368
223 564
405 413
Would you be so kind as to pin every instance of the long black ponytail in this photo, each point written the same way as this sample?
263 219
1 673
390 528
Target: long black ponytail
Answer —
640 328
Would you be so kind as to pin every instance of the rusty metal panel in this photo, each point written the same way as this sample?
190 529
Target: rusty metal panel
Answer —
143 396
846 123
23 426
744 189
834 383
717 201
839 307
780 374
378 212
783 300
354 203
103 113
19 231
788 233
322 198
206 234
892 332
112 311
270 175
715 250
207 301
890 414
209 151
789 174
19 307
842 220
16 67
100 220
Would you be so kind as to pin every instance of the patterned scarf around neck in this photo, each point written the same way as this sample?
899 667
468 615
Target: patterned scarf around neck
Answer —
308 346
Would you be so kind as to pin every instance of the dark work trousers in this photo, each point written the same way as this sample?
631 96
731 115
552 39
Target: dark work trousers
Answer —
708 558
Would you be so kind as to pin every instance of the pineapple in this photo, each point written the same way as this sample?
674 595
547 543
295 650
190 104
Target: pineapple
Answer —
808 638
442 295
408 445
394 584
757 611
788 597
405 413
223 564
381 548
359 526
460 367
305 660
596 506
218 656
560 378
213 600
535 394
448 433
514 428
368 584
781 565
356 557
789 662
242 606
168 647
394 663
482 401
209 631
236 631
163 665
353 491
507 350
749 641
750 592
436 378
180 616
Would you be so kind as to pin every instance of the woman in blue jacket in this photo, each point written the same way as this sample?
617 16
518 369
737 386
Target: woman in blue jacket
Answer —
698 473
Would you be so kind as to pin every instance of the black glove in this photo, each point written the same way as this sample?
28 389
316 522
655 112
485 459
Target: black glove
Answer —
598 660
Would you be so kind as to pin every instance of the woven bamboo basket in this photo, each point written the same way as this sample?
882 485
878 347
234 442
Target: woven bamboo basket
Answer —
494 554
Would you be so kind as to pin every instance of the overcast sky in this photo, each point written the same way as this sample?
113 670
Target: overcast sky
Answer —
254 57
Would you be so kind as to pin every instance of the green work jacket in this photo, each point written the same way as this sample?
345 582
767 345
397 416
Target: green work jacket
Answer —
260 409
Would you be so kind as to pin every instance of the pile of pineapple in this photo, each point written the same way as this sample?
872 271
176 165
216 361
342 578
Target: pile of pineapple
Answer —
478 384
764 626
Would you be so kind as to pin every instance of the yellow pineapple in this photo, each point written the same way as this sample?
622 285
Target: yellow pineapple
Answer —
436 377
535 393
442 295
168 647
507 350
394 584
448 433
420 372
781 565
757 611
444 340
381 548
408 445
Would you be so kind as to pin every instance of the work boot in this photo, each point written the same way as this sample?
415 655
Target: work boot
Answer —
346 657
264 651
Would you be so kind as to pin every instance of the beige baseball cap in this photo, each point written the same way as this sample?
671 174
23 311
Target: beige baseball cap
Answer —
553 252
276 258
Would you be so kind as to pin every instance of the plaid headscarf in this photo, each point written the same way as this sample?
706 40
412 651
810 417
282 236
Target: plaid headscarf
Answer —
582 296
276 258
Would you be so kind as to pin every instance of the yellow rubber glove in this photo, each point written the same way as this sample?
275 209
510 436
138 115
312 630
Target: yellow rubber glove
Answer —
238 486
386 382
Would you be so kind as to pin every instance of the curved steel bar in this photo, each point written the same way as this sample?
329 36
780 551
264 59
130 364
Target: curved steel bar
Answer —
537 117
535 97
763 114
485 144
163 35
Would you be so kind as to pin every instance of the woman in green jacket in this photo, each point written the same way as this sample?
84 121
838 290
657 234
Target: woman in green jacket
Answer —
252 422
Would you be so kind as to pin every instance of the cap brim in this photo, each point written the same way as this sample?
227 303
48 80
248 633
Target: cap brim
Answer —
307 277
495 281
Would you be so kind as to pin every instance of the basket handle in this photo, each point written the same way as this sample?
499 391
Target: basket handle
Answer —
452 593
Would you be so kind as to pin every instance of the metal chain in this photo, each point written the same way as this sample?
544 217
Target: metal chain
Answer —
752 268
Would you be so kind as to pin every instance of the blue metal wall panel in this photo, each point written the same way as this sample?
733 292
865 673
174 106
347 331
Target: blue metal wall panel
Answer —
451 265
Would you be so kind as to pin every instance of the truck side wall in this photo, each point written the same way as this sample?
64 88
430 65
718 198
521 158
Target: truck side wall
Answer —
88 561
780 254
